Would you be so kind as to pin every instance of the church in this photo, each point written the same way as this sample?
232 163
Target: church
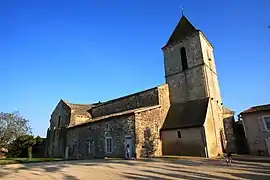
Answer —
184 116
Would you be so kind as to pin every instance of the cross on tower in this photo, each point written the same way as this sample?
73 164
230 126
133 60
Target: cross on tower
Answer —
182 10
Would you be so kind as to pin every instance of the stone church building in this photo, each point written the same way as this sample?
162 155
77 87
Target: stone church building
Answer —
182 117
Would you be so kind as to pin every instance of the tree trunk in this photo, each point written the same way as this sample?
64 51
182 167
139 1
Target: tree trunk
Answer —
30 152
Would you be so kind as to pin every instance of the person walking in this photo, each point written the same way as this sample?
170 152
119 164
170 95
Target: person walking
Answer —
128 152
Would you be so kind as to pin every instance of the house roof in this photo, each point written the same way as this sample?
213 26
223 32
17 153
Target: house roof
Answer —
227 110
260 108
183 29
81 109
188 114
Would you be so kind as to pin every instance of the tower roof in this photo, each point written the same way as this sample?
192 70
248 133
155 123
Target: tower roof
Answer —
183 29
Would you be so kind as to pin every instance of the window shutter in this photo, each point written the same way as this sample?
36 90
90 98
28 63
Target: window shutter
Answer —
261 123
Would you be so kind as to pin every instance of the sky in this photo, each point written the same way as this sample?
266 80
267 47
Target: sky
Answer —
88 51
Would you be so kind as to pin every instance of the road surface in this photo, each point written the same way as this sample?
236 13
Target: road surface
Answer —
185 168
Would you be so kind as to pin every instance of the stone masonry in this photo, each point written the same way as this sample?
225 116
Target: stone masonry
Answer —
134 101
94 133
134 115
185 85
147 128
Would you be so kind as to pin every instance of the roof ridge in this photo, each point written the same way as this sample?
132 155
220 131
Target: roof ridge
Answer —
262 105
65 101
129 95
79 104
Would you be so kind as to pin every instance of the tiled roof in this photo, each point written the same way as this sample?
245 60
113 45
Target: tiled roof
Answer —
81 109
260 108
227 110
188 114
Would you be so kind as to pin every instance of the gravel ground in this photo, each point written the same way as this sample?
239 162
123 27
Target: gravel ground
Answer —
186 168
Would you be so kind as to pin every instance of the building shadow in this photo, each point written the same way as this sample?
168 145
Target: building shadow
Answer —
154 168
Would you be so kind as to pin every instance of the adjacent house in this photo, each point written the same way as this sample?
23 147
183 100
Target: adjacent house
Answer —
229 126
256 122
184 116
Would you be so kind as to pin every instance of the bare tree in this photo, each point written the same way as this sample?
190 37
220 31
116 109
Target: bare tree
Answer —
12 125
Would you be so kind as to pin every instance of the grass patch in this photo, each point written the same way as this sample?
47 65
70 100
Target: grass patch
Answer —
26 160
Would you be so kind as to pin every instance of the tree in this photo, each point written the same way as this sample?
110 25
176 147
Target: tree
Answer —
22 146
12 125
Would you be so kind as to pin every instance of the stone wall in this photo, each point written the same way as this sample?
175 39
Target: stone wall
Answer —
138 100
212 84
207 52
200 79
117 128
62 110
190 143
187 86
214 129
228 120
147 127
190 84
164 101
172 59
210 70
148 123
56 138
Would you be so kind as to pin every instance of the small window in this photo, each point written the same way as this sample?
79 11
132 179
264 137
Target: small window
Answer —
184 59
208 55
156 127
266 120
108 145
107 126
179 134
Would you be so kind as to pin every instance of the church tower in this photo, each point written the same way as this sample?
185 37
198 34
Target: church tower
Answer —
190 69
191 75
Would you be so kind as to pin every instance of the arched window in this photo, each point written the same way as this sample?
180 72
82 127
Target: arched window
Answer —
184 59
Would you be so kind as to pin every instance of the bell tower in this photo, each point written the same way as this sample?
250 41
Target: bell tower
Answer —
191 75
189 65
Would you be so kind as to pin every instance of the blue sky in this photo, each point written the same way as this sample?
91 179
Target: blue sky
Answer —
89 51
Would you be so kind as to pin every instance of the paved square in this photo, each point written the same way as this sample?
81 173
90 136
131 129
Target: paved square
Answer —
186 168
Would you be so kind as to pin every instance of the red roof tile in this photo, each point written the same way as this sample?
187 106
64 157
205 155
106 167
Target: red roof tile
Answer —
265 107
